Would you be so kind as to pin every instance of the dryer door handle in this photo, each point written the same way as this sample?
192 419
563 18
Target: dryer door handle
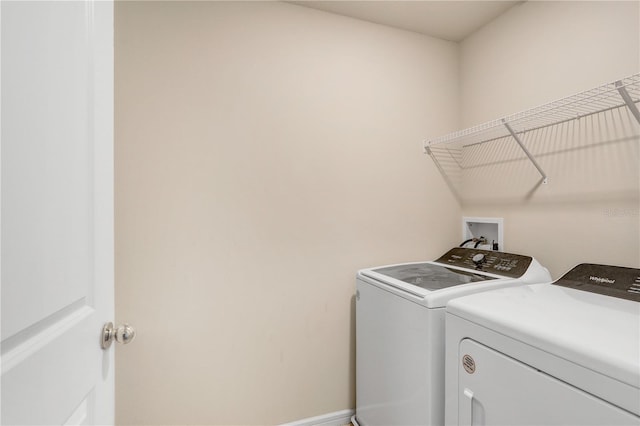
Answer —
465 415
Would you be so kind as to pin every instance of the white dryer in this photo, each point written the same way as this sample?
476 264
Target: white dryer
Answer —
563 353
400 311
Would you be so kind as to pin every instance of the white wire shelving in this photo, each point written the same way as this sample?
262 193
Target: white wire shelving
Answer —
618 94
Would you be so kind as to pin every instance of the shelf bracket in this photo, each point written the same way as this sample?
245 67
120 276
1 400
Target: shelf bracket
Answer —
627 99
526 151
426 149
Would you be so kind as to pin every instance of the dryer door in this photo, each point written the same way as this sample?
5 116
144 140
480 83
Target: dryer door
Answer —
494 389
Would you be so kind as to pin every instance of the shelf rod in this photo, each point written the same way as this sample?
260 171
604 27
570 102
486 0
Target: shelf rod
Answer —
627 99
526 151
544 126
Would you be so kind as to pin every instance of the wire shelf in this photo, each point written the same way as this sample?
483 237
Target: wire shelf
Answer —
600 99
592 119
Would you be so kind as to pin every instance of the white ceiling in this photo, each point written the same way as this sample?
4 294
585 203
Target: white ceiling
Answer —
449 20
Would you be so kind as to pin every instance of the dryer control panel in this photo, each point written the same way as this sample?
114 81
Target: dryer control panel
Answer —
615 281
508 264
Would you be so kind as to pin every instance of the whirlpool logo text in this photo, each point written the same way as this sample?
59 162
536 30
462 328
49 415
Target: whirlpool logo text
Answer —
601 280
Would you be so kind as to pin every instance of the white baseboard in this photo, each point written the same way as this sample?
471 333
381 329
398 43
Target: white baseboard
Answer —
338 418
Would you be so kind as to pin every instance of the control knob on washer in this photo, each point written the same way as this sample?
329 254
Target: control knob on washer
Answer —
479 259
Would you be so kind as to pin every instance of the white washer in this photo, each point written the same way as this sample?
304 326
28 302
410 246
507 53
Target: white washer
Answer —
400 311
562 353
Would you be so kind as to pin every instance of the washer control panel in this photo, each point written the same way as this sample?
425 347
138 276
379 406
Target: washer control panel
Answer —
507 264
614 281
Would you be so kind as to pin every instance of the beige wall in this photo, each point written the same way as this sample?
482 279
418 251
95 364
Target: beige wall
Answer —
535 53
264 153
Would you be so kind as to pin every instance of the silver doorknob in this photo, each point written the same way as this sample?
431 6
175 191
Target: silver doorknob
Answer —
123 334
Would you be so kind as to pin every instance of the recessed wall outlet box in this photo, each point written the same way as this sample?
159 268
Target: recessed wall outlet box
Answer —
489 228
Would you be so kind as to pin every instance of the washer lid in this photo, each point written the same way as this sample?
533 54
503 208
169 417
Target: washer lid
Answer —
429 276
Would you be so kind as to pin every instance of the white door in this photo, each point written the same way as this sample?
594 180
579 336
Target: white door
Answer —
57 211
